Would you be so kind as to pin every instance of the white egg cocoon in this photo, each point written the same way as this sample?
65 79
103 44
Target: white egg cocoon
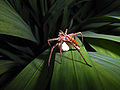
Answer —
65 47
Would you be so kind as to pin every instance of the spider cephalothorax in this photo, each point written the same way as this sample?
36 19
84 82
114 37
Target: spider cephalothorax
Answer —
63 37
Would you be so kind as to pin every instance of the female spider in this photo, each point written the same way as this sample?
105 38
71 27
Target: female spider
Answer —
63 37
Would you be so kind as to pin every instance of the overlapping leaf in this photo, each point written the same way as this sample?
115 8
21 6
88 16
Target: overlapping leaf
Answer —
73 73
5 65
35 75
105 47
12 24
102 36
110 64
12 56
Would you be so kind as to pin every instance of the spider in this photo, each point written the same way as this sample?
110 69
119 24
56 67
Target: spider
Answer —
63 37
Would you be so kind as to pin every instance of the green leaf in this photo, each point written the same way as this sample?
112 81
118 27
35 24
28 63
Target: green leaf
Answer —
96 25
5 65
105 47
90 34
117 29
35 75
74 74
42 7
101 19
111 64
65 18
55 11
22 48
12 24
12 56
115 24
111 7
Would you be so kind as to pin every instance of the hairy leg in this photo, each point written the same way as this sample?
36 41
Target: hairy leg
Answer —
51 53
66 31
81 55
77 50
53 39
61 50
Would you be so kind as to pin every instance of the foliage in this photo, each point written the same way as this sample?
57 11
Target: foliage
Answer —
25 27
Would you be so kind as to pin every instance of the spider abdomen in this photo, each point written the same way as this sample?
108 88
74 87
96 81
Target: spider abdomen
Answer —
73 41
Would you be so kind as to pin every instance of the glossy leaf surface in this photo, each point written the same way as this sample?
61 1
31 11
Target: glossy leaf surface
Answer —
12 24
110 64
105 47
74 74
5 65
90 34
35 75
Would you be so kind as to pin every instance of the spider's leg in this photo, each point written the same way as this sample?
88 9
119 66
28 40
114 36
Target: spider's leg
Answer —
66 31
53 39
61 50
81 55
73 34
51 53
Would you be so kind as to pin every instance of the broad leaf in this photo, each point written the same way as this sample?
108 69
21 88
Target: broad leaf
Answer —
59 5
12 56
5 65
74 74
110 64
105 47
23 49
96 25
12 24
102 36
35 75
103 19
115 4
115 24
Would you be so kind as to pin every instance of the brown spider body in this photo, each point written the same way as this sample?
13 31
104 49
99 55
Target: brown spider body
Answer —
73 41
63 37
